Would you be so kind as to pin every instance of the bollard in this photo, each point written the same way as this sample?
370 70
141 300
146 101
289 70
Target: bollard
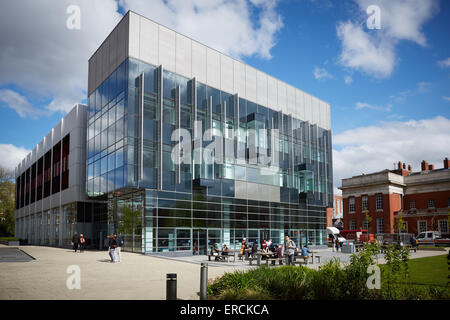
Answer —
171 287
203 280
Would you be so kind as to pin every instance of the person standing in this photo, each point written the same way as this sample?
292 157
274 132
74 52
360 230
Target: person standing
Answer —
289 250
75 241
82 243
336 243
112 247
118 250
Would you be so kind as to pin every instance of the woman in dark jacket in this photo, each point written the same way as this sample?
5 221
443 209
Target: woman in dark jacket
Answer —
75 241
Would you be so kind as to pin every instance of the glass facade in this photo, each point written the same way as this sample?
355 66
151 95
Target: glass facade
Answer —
163 205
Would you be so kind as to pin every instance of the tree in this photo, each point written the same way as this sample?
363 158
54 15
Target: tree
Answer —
368 219
7 200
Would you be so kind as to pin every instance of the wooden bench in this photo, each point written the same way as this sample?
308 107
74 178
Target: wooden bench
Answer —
257 259
305 259
318 258
274 260
220 257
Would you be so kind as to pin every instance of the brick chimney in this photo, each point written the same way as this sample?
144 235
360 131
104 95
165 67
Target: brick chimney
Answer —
446 163
424 165
409 168
431 167
401 169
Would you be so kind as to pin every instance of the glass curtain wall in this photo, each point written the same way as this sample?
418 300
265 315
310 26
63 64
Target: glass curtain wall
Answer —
176 209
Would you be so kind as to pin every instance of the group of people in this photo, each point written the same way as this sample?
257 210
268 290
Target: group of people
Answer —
219 255
115 244
288 249
78 242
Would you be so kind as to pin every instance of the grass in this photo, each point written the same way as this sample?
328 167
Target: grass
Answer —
429 270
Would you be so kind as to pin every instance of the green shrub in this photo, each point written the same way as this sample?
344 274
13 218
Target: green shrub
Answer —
245 294
9 239
333 281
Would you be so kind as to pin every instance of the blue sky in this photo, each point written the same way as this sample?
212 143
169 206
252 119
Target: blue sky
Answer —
388 88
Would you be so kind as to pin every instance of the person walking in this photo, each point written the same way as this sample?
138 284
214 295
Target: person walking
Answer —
75 241
118 251
336 243
112 247
82 243
289 250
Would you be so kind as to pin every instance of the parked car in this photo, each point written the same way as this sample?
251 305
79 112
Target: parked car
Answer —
432 238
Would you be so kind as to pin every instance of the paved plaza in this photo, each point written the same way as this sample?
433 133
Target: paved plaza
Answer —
35 272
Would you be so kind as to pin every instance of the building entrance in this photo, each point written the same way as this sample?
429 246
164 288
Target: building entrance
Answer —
199 241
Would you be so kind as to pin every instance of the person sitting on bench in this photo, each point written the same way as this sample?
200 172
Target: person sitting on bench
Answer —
265 250
305 252
215 252
225 250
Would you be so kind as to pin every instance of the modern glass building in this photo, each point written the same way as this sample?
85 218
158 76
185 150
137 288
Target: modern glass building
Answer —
145 82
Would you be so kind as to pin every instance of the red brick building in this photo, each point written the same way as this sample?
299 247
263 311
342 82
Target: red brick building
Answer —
421 199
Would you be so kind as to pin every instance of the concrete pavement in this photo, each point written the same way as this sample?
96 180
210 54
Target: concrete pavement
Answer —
137 277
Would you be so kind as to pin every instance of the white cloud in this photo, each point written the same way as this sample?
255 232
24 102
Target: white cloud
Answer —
321 74
364 105
348 80
49 62
375 148
446 98
444 63
403 19
226 25
19 103
373 52
423 87
11 155
41 56
360 52
401 96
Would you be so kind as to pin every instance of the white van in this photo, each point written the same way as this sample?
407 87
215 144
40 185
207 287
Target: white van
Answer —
333 233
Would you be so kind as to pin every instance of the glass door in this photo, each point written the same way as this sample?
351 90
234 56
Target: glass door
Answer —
199 242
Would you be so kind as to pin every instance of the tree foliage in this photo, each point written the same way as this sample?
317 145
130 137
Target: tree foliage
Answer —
7 200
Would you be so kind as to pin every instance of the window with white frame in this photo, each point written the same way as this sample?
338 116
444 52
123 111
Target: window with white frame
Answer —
380 225
421 226
430 203
365 203
351 204
379 201
412 204
352 224
443 226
